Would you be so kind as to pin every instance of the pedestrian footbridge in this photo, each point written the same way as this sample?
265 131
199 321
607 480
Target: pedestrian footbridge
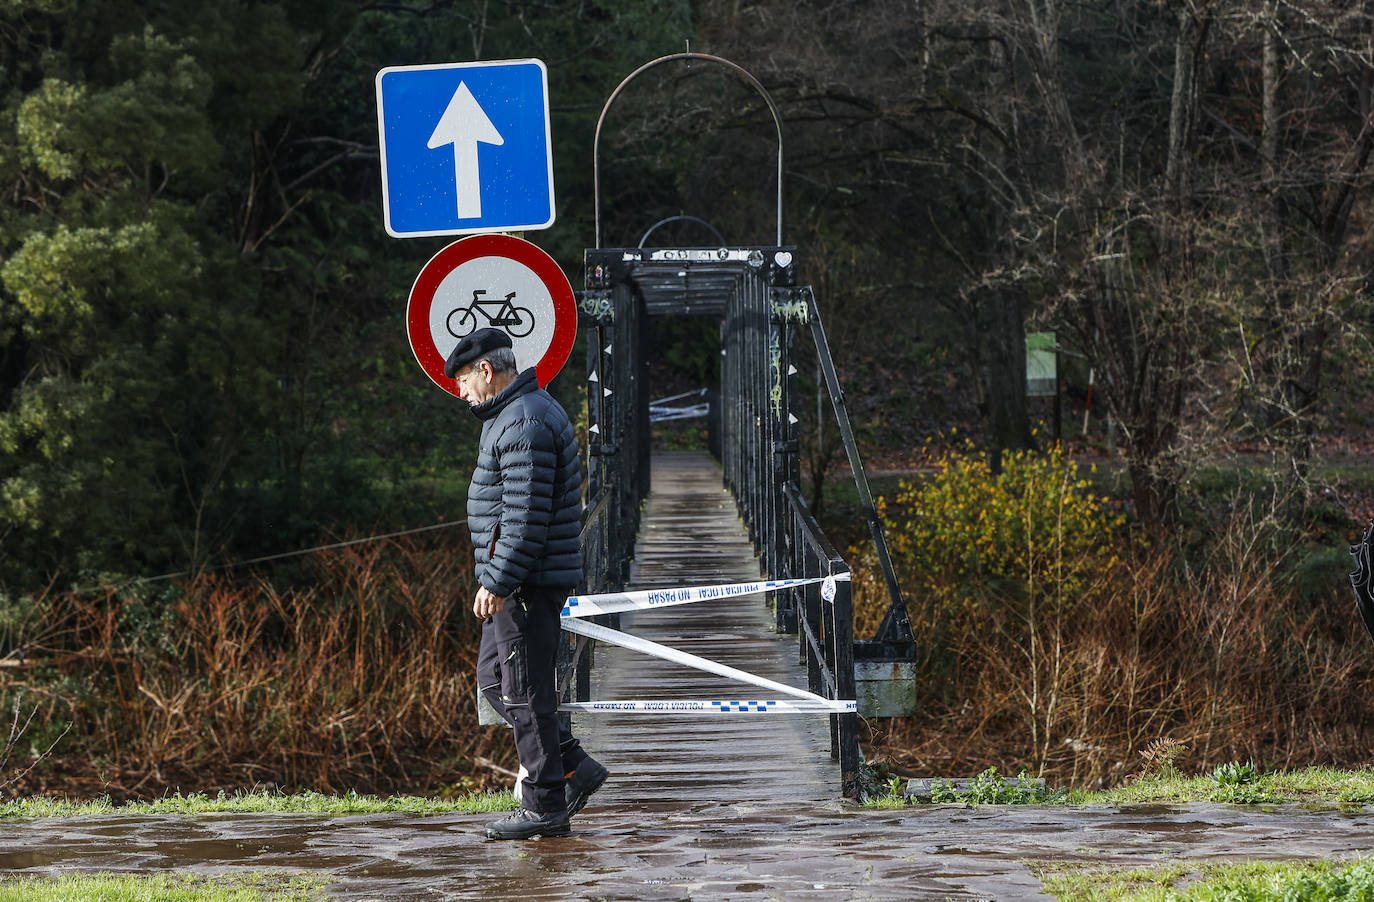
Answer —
711 696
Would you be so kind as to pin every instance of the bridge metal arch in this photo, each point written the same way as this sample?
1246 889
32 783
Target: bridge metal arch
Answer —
681 217
675 57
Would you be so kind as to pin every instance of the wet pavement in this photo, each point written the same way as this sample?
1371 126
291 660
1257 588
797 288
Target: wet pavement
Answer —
711 851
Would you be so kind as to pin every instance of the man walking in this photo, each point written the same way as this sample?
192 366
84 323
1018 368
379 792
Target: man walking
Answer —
524 514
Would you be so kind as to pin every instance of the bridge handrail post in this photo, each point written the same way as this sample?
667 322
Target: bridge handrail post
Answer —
845 727
784 447
574 662
808 622
827 635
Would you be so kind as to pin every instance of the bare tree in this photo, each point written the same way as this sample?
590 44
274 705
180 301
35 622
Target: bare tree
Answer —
1312 161
899 153
1173 185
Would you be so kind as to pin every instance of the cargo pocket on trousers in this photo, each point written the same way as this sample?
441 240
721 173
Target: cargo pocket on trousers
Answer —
515 683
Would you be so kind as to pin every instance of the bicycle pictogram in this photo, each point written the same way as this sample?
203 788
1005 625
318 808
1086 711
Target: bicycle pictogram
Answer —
518 321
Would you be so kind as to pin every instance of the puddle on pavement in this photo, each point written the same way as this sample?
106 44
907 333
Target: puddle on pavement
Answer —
965 853
24 861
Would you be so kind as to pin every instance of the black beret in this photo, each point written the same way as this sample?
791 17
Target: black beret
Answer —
471 348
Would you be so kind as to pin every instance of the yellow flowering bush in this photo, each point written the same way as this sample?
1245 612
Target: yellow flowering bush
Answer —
1034 537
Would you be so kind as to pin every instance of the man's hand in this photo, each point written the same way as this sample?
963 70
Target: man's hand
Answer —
487 603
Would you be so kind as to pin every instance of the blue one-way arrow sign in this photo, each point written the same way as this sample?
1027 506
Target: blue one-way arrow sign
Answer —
465 147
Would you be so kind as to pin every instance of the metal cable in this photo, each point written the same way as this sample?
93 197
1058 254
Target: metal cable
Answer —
285 554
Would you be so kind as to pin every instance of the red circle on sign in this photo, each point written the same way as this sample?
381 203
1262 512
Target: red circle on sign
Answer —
490 257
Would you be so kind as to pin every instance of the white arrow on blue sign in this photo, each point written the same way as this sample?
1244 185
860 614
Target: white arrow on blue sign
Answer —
465 148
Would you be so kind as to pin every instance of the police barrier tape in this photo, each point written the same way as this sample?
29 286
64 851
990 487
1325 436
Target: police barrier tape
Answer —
808 702
644 599
721 706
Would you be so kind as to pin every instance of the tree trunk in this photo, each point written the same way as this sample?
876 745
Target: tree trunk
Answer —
1189 57
1271 221
1300 321
1002 371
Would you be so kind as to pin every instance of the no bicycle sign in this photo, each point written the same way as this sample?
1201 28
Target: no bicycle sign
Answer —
492 281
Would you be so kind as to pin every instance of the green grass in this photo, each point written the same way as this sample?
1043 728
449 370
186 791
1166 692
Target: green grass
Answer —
1311 784
1243 881
1229 783
988 788
260 802
165 887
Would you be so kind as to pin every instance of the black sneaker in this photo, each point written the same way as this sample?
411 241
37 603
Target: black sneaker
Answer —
525 824
584 781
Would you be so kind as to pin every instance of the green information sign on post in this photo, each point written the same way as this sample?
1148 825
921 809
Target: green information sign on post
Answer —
1042 365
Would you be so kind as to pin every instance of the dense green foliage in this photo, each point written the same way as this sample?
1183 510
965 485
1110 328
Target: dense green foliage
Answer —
202 352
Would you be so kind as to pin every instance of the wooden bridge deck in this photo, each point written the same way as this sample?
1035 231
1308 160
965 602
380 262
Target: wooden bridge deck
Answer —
691 534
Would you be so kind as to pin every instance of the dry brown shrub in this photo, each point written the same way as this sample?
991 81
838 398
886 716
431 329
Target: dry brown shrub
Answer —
362 680
1222 658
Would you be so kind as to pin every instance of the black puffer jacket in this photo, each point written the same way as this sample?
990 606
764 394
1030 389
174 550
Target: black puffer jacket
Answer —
525 500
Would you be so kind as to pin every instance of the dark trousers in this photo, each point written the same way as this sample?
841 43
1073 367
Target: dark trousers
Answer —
516 673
